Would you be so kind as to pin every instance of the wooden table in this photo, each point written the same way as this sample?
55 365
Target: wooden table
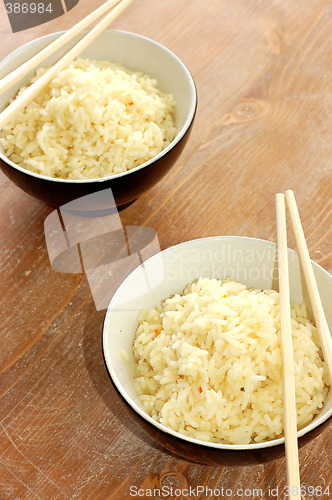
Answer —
263 73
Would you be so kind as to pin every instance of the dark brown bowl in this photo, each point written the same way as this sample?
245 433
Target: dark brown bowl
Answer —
139 54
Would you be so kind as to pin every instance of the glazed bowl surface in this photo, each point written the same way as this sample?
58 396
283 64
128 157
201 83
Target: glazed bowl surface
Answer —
136 53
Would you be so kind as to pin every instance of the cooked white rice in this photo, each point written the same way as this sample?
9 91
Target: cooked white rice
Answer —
209 363
94 119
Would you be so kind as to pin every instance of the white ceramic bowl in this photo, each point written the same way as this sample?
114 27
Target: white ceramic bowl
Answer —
247 260
137 53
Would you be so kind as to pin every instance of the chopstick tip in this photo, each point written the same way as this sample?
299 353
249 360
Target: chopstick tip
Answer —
280 196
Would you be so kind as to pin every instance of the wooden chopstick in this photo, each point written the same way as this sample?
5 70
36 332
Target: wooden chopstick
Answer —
31 92
290 418
316 303
17 74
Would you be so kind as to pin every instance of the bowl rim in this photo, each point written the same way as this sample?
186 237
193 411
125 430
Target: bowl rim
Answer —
222 446
181 133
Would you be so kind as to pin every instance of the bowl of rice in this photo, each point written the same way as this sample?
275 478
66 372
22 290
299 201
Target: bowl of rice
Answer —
117 118
192 342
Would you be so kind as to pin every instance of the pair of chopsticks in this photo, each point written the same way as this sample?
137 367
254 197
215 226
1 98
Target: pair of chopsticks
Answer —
31 92
290 424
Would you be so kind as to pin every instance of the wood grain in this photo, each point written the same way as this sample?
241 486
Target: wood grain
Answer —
263 73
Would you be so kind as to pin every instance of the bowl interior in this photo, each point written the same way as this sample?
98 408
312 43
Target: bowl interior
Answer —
133 51
247 260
